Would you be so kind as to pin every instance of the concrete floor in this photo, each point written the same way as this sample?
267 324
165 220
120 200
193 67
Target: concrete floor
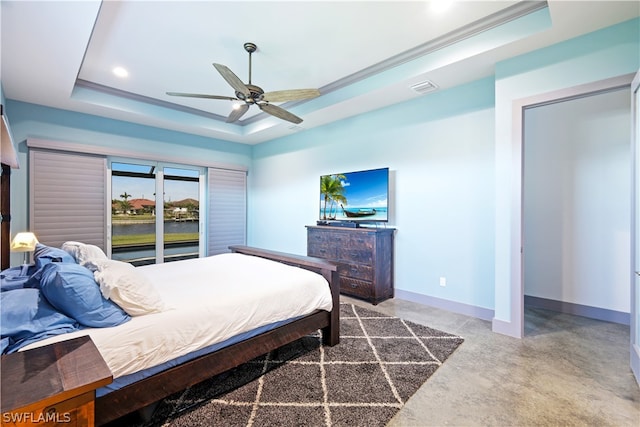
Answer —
567 371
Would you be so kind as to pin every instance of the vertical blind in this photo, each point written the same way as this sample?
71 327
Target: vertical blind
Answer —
227 210
67 197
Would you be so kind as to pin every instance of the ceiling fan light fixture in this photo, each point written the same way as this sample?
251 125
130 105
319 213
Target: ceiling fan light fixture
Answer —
250 94
424 87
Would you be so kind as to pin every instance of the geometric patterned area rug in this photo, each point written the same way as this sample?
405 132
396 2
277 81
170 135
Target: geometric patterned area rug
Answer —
363 381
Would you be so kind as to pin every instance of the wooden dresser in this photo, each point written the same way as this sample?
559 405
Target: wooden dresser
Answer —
364 257
53 385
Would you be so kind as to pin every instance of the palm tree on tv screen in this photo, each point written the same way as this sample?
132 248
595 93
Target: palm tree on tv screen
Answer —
331 190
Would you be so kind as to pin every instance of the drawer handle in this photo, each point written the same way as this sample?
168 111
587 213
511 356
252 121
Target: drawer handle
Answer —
353 270
322 251
353 285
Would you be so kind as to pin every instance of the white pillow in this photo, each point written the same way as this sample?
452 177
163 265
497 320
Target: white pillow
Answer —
84 253
123 284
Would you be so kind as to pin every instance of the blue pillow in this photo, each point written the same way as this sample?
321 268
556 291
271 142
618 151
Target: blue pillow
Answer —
17 278
72 289
26 316
4 344
44 255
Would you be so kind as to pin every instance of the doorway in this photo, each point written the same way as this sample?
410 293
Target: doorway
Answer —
577 205
512 303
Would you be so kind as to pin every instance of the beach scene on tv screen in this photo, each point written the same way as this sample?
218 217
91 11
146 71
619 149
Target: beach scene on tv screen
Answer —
355 196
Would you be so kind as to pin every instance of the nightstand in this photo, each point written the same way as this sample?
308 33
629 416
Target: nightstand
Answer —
53 385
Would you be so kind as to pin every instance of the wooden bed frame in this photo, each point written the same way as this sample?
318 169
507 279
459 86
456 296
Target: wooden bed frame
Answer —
5 215
152 389
147 391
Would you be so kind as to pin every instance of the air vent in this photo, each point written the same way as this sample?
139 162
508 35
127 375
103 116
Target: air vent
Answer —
424 87
295 128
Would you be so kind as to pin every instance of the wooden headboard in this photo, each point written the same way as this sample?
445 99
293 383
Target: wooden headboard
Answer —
5 211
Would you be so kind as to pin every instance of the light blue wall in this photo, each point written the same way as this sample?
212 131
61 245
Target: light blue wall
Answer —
439 149
35 121
442 149
603 54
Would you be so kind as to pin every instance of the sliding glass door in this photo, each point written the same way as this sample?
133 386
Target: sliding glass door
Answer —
155 212
181 225
133 213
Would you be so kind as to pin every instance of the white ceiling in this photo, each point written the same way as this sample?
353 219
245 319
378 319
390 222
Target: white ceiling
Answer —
358 53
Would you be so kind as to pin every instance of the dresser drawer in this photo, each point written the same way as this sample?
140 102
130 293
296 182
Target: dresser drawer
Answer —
326 237
356 271
362 241
355 287
75 412
322 250
355 255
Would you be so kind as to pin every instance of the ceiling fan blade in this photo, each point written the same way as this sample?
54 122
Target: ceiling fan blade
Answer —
200 95
237 112
290 95
233 80
280 113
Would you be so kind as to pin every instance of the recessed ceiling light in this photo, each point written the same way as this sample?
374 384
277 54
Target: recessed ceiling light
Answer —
120 72
440 6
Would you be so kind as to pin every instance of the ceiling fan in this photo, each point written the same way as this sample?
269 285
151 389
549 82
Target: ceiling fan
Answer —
252 94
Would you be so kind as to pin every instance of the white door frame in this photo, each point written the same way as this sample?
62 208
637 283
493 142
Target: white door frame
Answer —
516 325
634 318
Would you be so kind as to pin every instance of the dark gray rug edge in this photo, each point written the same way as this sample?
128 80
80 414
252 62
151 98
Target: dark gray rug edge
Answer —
365 380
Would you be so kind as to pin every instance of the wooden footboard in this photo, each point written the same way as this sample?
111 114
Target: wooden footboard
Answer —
149 390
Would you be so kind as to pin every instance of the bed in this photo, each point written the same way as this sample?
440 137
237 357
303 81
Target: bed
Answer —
150 362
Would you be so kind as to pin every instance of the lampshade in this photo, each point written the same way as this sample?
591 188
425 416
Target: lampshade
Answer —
24 242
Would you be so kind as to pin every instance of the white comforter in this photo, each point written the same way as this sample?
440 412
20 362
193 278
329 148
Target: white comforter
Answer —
209 300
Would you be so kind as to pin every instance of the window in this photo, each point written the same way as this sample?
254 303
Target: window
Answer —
182 214
135 210
145 228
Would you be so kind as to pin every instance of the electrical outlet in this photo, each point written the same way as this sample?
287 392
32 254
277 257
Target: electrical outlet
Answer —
443 281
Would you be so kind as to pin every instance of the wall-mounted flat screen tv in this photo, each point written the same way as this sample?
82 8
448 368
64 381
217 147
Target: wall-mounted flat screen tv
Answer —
361 196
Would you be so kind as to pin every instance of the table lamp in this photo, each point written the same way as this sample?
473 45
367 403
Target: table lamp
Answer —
24 242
